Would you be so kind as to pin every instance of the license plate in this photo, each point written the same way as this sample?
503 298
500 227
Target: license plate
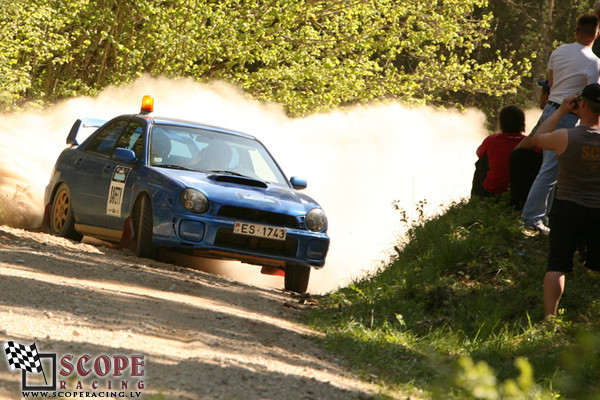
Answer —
263 231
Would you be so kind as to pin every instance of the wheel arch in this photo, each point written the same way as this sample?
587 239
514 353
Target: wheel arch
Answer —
48 205
130 221
64 215
142 225
138 197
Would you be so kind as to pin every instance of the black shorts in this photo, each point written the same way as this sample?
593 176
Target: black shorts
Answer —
573 227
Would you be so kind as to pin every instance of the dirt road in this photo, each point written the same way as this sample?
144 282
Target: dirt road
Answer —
201 336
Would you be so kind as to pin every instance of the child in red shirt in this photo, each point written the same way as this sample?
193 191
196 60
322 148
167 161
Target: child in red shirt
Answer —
497 148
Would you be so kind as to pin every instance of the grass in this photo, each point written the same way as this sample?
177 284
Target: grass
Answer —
458 314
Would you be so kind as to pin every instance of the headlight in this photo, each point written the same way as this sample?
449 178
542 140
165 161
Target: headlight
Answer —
316 220
194 201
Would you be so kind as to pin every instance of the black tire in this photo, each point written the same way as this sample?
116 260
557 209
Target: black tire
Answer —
143 229
61 215
296 277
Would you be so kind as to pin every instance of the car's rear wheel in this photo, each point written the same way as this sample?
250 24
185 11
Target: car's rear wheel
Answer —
143 228
296 277
61 215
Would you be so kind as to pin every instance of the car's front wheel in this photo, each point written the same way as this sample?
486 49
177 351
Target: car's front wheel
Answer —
296 277
143 229
61 215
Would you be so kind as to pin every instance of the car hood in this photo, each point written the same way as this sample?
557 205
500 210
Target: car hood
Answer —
237 191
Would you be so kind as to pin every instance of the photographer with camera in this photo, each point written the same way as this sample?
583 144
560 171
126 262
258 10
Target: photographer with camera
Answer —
575 213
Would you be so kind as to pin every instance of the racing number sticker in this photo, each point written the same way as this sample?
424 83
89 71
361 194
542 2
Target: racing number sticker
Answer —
115 192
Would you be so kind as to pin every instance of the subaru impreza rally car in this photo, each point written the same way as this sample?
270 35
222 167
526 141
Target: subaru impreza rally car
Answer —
150 183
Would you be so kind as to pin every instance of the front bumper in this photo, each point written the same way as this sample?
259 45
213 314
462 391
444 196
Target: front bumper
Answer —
214 238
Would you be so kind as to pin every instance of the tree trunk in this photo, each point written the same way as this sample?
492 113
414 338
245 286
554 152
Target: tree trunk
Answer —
541 71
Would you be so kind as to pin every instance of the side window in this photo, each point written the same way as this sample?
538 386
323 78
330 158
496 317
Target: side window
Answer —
133 139
104 143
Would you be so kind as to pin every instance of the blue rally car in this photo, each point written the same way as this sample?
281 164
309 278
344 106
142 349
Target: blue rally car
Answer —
149 183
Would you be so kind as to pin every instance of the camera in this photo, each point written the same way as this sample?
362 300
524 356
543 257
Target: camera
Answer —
576 103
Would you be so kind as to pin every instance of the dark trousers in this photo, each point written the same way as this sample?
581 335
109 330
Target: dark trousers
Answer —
482 166
524 167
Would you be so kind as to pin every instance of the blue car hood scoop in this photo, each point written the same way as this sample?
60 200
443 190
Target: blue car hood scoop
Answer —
239 191
239 180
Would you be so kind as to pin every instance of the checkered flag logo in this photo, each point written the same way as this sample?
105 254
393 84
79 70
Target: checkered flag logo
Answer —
23 357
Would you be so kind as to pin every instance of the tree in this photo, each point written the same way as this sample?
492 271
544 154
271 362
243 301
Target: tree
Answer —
308 55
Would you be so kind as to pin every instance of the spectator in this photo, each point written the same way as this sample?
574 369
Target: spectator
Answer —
497 149
571 67
525 162
575 213
596 45
544 93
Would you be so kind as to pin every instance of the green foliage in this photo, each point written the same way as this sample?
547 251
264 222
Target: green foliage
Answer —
460 305
478 381
306 55
582 365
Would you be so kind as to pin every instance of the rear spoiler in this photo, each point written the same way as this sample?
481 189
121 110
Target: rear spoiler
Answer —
82 123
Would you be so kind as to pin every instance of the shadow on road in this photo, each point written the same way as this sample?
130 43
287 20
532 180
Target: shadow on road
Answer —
202 336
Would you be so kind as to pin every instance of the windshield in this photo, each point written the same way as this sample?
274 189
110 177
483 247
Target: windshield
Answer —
197 149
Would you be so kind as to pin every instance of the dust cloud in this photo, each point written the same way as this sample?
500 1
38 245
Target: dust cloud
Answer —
357 161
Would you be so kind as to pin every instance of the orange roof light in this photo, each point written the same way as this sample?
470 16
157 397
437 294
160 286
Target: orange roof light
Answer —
147 105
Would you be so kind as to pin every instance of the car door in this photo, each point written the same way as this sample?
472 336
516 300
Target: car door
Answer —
123 176
89 187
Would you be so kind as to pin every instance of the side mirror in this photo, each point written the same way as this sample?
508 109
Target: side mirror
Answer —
298 183
124 155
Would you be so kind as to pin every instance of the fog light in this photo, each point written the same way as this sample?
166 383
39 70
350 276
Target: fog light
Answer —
191 230
317 249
